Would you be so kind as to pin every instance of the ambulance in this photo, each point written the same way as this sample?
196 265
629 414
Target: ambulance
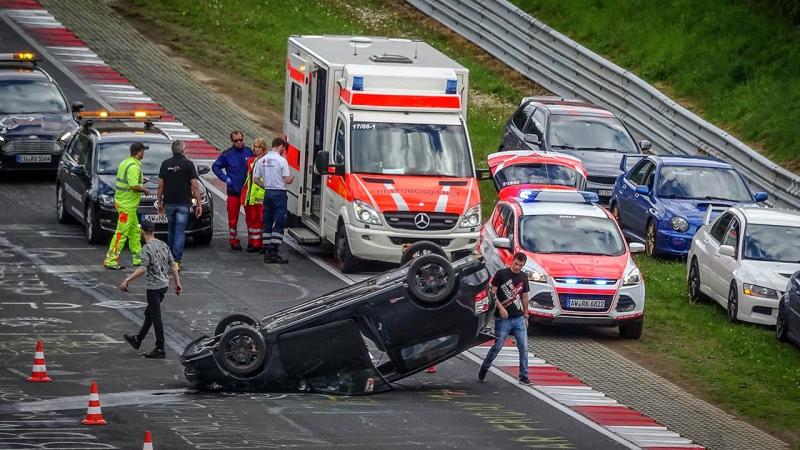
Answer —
379 148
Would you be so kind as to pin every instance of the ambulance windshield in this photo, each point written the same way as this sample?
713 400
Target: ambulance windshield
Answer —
410 149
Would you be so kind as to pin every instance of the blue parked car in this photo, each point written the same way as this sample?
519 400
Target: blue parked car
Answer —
662 200
787 327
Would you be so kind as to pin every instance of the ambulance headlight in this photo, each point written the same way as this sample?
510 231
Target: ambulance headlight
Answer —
366 213
472 218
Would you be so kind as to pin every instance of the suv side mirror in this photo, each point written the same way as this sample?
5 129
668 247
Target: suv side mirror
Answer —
645 146
636 247
483 174
642 189
77 106
501 243
532 139
760 197
203 169
727 250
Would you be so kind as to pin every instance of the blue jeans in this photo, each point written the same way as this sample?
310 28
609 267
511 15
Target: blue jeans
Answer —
177 218
274 219
502 328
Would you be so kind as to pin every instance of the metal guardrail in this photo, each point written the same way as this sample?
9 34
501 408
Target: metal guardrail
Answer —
568 69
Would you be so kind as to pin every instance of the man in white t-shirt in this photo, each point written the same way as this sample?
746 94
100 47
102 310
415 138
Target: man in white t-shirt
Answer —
272 173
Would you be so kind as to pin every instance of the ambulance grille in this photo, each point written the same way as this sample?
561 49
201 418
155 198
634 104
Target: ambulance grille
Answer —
407 220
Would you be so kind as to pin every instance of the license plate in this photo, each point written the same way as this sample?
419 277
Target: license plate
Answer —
585 303
34 158
604 192
156 218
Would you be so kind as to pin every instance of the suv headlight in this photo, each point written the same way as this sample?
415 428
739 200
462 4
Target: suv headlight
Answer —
679 224
366 213
759 291
472 218
536 276
633 278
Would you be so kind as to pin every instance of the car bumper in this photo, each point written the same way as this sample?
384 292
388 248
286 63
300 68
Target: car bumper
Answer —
603 191
674 243
108 220
9 163
627 305
387 245
759 310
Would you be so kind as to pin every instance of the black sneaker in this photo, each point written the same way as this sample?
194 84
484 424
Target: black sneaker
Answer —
482 374
133 340
157 353
525 381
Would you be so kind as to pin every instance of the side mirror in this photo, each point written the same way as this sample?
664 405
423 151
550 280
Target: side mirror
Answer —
321 162
641 189
646 146
77 106
727 250
636 247
761 197
483 174
203 169
532 139
501 243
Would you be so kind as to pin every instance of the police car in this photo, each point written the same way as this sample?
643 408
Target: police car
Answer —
87 174
579 267
35 120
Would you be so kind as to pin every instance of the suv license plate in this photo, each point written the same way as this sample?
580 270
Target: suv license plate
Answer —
584 303
156 218
34 158
604 192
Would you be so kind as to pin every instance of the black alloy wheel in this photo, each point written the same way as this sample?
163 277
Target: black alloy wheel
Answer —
781 327
733 304
241 350
430 278
347 262
61 210
421 248
94 235
695 295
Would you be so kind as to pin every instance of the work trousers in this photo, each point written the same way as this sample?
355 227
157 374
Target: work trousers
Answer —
152 316
127 231
254 217
502 328
274 219
234 205
177 219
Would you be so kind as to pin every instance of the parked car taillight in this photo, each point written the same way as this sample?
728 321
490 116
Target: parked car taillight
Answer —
482 302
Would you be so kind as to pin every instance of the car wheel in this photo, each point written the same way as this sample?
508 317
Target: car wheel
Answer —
347 262
695 295
420 248
241 350
234 320
733 304
61 210
781 327
94 235
631 330
650 240
430 278
204 238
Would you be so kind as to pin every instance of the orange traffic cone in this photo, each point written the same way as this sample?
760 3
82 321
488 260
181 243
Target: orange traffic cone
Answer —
148 441
93 414
39 372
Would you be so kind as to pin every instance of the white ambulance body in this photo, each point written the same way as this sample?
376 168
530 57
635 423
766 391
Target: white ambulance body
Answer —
379 147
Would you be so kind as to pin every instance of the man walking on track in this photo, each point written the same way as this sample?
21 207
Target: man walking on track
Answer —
178 182
510 287
231 168
157 263
272 174
253 200
128 192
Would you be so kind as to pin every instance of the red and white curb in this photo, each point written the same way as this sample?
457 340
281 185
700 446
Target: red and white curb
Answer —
113 91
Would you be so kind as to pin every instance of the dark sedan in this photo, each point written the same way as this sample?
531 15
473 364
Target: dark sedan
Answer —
357 340
787 326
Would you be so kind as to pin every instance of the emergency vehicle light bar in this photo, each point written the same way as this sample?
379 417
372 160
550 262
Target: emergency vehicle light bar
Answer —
120 115
531 196
19 56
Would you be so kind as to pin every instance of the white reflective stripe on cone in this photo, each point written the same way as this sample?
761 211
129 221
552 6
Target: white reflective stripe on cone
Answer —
93 410
38 355
94 397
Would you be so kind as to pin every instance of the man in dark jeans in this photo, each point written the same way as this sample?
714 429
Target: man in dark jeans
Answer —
157 263
510 287
178 182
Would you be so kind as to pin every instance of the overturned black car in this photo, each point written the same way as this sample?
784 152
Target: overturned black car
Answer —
357 340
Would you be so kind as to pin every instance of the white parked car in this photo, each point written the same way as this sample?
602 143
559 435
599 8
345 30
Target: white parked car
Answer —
743 260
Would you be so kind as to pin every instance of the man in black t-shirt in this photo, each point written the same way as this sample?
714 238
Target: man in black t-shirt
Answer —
510 287
178 182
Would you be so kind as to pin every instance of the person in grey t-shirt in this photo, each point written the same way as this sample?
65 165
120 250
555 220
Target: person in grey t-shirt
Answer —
157 264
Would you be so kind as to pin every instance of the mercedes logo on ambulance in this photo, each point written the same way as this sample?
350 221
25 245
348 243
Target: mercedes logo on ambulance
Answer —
422 221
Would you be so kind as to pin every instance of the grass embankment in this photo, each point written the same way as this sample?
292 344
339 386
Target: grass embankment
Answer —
735 63
740 367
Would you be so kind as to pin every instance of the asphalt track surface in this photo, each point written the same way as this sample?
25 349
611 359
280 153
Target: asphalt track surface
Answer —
53 287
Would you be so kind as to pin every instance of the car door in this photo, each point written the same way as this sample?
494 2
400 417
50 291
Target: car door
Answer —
721 266
643 203
495 228
74 160
707 251
627 197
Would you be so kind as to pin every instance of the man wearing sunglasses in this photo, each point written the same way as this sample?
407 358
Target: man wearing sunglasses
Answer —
231 168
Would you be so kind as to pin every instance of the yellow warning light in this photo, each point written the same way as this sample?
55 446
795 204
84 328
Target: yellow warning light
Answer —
120 115
141 114
103 113
25 56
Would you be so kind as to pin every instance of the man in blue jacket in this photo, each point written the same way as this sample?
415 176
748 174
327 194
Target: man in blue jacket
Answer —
231 168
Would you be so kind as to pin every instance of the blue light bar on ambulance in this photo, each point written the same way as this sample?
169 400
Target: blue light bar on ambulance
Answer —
530 196
451 87
358 83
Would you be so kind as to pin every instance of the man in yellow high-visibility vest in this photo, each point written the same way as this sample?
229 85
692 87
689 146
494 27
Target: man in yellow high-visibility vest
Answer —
129 189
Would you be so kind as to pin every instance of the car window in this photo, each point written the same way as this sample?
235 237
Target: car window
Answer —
75 149
535 124
702 183
338 149
519 117
732 235
637 174
508 219
27 97
498 223
778 243
547 174
567 234
111 154
590 133
649 177
83 145
720 226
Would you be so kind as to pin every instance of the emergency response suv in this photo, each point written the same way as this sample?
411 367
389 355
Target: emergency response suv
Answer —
579 268
379 148
35 120
87 174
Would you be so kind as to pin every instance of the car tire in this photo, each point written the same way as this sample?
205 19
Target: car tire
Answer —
781 326
693 283
94 234
733 304
632 330
421 248
234 320
204 238
63 216
241 350
430 279
650 243
347 262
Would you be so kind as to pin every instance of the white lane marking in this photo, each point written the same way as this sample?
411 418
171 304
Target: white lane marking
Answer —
71 268
109 399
